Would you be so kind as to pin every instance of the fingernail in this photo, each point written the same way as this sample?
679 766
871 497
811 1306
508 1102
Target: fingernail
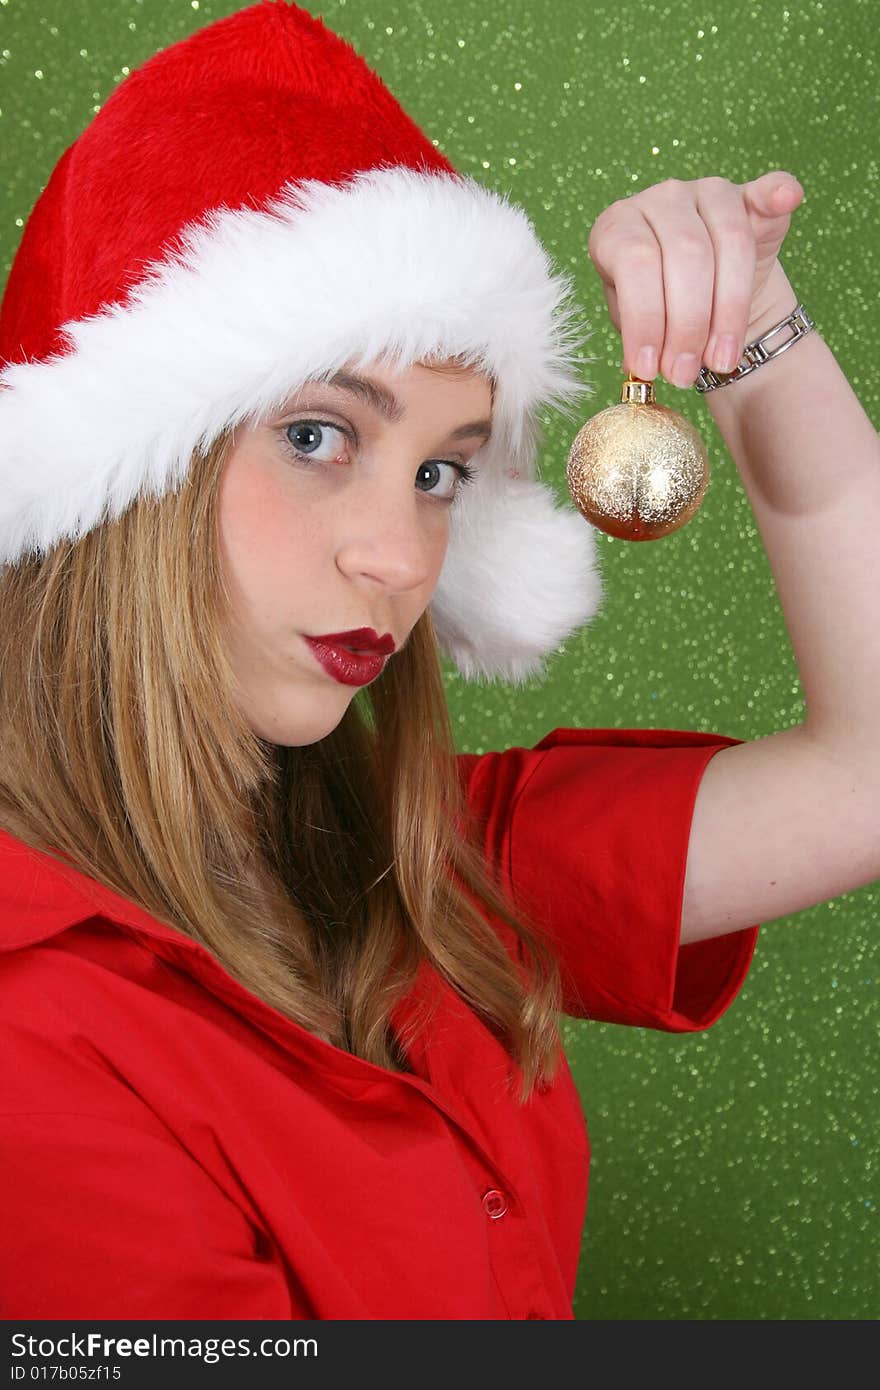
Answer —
647 364
725 354
684 369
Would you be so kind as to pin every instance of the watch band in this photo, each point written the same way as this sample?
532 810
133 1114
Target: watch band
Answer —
758 352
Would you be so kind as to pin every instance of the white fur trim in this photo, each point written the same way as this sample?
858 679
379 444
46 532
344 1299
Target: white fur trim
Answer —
393 264
523 571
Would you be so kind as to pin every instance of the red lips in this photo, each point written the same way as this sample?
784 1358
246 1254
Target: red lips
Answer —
362 639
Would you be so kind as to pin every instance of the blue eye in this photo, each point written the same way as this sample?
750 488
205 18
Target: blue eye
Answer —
465 474
305 438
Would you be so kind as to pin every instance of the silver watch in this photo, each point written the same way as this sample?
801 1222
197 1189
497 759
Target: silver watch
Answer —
758 352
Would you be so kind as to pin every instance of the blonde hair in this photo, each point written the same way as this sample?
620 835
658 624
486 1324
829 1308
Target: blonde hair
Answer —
319 876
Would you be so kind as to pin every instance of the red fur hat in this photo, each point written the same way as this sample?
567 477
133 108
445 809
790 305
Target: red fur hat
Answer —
251 209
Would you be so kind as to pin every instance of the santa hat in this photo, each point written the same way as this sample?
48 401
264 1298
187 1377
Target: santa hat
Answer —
250 209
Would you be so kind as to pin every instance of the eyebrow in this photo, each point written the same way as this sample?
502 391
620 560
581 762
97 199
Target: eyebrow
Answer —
374 394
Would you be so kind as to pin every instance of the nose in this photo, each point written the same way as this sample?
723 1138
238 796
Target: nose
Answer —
392 535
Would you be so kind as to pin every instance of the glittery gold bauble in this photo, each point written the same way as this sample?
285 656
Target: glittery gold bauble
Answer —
638 470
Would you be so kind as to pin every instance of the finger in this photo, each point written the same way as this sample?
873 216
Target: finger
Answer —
613 306
723 210
687 284
641 307
596 247
625 252
773 195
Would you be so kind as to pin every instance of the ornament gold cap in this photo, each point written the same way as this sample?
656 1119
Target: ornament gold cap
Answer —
634 391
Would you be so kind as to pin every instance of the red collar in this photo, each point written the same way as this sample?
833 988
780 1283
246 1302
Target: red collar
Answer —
41 896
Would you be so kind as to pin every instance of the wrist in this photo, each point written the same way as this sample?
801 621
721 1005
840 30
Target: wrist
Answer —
777 322
776 301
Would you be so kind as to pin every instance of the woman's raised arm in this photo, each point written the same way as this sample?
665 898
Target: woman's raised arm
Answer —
787 821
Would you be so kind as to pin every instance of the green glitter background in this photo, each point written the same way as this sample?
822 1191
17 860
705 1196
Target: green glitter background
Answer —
734 1172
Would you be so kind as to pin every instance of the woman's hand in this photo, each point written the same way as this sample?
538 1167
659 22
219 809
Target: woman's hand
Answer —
690 270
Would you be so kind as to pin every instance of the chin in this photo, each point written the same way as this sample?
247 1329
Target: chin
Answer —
298 731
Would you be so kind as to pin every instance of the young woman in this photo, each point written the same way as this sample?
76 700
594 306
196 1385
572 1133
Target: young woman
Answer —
280 972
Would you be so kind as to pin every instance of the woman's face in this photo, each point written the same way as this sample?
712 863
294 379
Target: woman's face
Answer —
333 515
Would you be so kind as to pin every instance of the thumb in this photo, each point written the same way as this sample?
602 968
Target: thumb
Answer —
775 194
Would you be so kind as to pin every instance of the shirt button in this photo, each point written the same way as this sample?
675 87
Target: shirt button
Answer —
494 1203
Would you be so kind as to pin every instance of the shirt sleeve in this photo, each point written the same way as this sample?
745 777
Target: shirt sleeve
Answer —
590 831
103 1219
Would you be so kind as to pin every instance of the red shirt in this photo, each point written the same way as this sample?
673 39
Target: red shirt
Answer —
172 1147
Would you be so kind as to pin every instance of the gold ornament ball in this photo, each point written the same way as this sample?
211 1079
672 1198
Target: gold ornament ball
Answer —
638 470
